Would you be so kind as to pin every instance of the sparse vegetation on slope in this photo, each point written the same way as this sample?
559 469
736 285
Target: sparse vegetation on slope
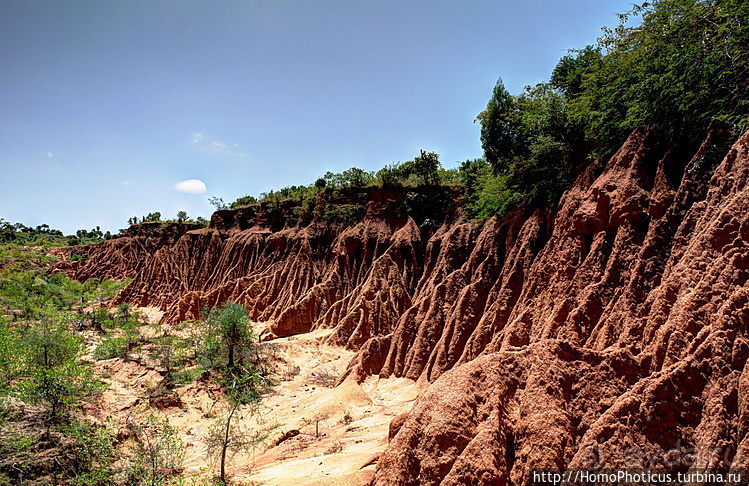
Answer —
48 391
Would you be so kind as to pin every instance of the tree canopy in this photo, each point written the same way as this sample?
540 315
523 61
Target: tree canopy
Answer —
685 66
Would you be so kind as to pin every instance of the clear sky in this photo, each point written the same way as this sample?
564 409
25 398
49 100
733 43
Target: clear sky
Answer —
106 105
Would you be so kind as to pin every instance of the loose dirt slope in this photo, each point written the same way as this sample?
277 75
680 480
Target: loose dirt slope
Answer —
319 434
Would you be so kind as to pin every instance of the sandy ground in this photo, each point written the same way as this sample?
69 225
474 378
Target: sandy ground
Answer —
334 435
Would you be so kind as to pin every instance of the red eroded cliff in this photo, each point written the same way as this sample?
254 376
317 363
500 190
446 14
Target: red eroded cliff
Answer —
123 255
623 344
609 331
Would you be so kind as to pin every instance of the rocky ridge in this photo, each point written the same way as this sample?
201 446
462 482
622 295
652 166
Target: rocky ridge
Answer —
610 331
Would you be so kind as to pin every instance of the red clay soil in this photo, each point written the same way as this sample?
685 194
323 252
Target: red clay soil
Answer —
609 332
622 343
122 256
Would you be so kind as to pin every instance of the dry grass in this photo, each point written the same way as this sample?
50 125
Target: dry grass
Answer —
324 377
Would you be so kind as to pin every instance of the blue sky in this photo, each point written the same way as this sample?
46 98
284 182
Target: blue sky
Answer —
106 105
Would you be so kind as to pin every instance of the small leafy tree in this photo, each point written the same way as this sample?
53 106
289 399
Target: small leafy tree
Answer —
158 453
497 125
218 203
164 355
98 317
228 340
181 216
154 217
227 436
54 376
124 312
228 331
427 166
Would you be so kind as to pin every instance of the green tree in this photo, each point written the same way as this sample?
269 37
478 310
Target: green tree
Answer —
498 126
154 217
218 203
158 453
124 312
181 216
228 436
54 375
228 331
355 177
528 139
426 166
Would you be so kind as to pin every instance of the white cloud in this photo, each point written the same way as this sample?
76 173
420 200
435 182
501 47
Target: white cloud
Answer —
215 146
191 186
50 154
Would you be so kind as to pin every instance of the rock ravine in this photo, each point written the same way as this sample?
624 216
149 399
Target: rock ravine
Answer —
609 331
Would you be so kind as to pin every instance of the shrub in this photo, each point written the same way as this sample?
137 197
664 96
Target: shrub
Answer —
158 453
344 214
116 346
228 332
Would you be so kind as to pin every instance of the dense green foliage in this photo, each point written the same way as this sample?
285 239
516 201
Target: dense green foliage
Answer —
42 372
685 66
485 193
21 234
40 366
528 140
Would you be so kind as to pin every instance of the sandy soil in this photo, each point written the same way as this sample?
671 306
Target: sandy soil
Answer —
333 435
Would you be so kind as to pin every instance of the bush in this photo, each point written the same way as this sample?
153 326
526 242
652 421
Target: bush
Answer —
116 346
158 453
228 333
53 375
94 450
